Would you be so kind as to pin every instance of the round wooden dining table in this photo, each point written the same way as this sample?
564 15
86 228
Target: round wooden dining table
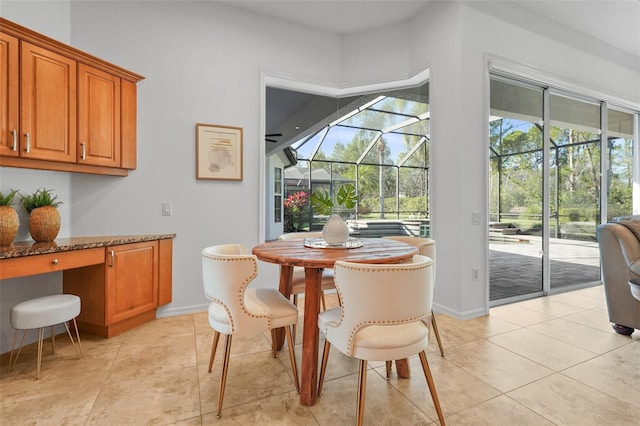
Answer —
290 253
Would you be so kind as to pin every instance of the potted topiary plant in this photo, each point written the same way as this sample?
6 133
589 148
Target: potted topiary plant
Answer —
9 221
44 218
335 231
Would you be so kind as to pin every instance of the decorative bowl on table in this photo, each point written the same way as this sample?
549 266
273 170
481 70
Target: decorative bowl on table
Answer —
313 242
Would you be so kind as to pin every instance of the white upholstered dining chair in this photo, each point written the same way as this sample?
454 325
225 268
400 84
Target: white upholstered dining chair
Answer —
426 247
382 317
227 271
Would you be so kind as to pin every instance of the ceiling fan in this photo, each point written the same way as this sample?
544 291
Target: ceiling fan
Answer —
268 137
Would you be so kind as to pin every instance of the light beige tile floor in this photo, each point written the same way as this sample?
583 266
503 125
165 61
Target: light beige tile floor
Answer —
548 361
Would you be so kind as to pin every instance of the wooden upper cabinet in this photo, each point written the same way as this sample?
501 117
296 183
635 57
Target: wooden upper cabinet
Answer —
98 117
47 105
9 95
63 109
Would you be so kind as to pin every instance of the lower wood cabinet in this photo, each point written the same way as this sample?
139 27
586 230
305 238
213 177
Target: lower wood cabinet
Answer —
125 290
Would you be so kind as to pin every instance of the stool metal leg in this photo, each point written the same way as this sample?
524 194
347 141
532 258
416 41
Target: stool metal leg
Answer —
13 345
53 341
66 325
75 324
40 339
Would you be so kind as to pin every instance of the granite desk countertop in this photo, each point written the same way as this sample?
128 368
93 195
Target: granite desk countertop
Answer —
31 248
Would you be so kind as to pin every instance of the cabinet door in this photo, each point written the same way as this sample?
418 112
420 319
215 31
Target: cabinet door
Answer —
98 117
132 280
8 95
47 105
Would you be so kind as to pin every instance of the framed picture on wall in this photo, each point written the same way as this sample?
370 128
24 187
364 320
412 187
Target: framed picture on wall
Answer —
218 152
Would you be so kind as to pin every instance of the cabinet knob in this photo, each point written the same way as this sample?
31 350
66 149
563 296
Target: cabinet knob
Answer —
84 153
27 148
112 260
54 261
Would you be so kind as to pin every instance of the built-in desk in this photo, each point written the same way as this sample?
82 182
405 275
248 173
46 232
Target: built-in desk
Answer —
120 279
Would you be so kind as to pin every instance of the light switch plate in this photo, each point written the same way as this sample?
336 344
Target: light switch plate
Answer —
167 209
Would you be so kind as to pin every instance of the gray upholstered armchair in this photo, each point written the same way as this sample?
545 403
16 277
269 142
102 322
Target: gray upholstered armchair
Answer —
619 242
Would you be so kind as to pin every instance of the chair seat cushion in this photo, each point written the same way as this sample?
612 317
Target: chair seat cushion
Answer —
380 342
260 301
45 311
389 342
264 301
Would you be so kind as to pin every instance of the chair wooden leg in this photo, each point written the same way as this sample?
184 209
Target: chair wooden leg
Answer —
225 369
362 388
388 368
273 342
292 357
435 329
432 386
214 345
295 303
323 366
323 300
40 339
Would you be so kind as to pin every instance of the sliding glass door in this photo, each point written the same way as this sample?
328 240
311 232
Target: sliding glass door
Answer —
516 177
548 192
619 157
574 191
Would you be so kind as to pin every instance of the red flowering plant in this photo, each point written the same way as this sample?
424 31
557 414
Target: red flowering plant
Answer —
296 211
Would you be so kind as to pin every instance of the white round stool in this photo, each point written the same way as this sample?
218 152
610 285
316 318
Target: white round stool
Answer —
43 312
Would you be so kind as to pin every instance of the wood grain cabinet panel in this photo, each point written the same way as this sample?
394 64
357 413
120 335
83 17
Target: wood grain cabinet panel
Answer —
132 280
9 95
129 114
98 117
47 105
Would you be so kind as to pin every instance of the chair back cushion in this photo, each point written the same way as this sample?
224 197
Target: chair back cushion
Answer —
300 235
381 294
426 247
227 270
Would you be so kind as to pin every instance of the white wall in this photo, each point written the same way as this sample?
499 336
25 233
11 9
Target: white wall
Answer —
204 62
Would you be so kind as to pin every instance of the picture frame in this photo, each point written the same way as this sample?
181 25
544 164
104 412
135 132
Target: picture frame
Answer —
218 152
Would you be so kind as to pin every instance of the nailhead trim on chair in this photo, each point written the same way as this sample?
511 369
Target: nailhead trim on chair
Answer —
240 292
365 323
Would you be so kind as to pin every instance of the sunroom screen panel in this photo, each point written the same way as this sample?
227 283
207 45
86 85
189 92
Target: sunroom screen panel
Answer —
420 158
344 144
391 148
375 120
